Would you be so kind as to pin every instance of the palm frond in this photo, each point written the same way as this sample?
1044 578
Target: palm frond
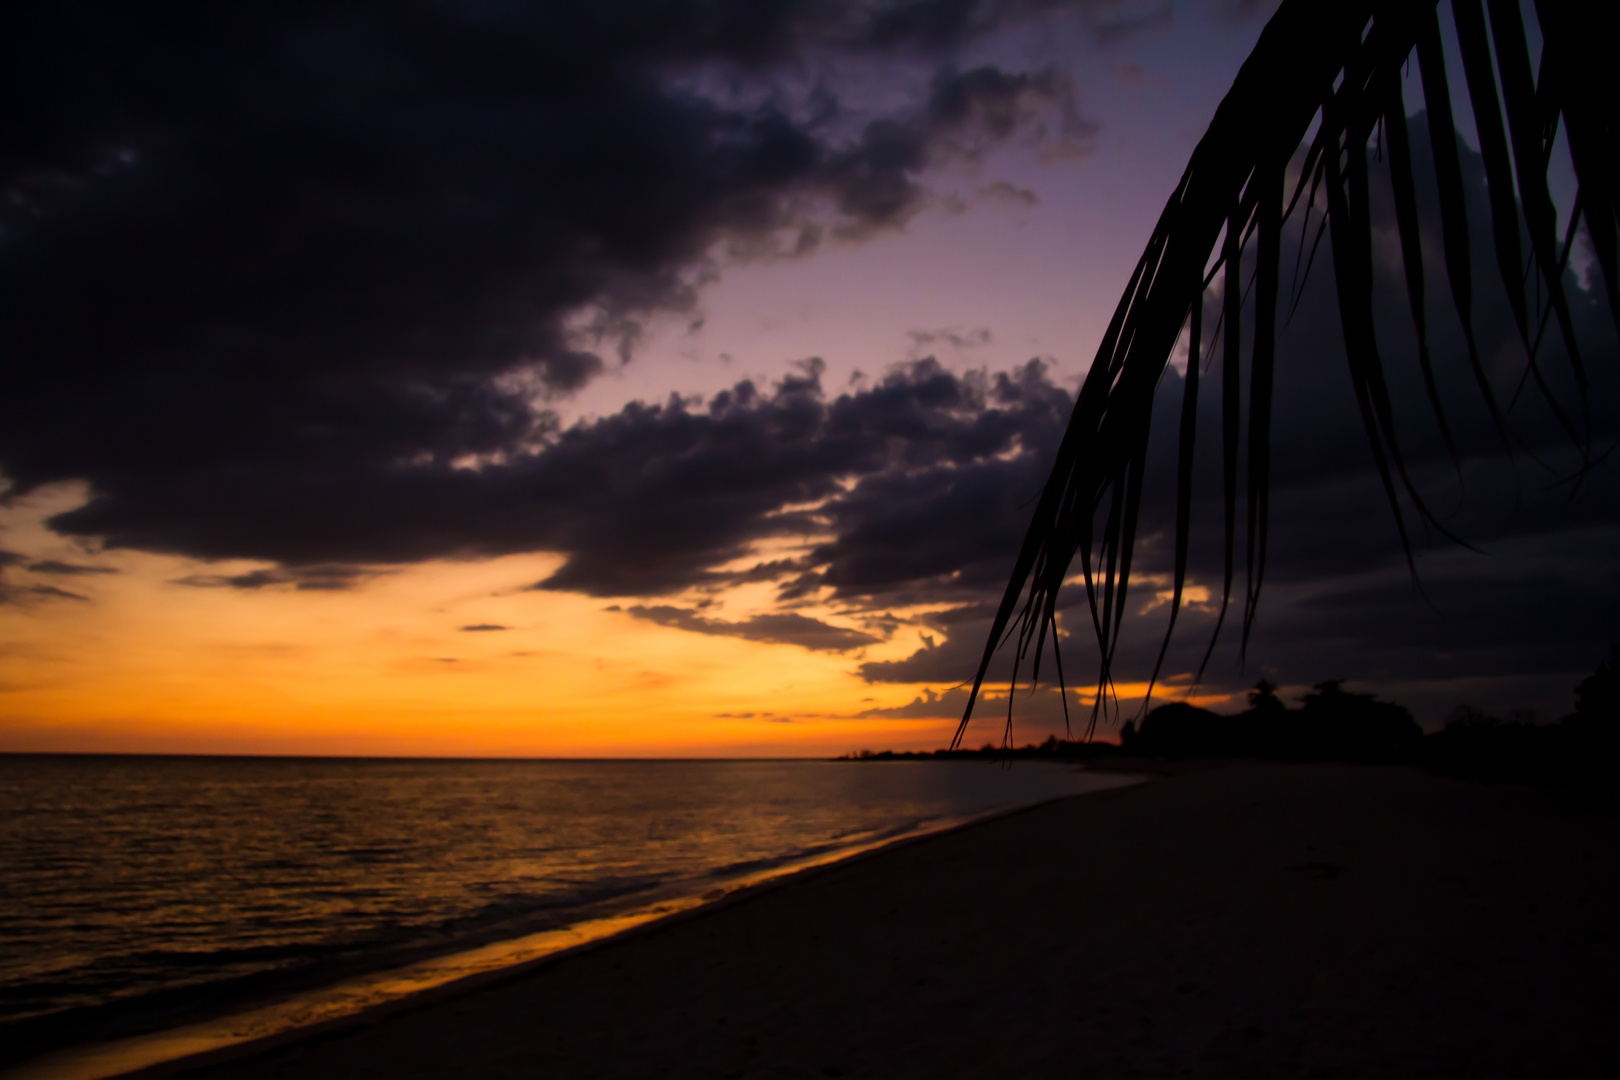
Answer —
1336 66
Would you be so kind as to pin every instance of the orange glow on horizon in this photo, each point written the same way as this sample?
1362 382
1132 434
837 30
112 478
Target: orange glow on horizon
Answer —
144 663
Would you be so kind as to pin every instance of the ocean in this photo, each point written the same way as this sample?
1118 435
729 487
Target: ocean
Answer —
160 894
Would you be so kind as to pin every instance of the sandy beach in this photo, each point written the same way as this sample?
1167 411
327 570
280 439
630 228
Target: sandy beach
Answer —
1244 920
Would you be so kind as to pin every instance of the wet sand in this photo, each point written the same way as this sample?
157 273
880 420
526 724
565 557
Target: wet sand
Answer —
1249 920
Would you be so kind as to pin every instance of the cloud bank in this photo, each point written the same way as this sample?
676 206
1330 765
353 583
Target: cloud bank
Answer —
302 286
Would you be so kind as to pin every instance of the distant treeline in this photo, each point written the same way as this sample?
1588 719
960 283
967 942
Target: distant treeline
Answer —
1335 724
1054 748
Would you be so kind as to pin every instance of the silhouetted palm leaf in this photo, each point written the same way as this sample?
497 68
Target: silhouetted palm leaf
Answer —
1335 65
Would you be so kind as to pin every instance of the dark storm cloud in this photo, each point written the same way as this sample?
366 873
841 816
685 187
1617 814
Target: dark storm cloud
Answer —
1034 715
949 660
52 566
667 493
927 705
698 487
13 593
787 628
919 481
18 594
309 578
946 524
285 253
55 593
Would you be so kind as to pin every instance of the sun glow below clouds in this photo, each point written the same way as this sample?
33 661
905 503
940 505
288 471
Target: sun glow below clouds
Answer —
437 658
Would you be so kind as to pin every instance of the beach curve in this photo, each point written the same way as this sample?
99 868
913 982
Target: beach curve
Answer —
1252 920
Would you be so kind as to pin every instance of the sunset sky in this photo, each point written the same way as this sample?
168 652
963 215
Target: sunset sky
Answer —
638 379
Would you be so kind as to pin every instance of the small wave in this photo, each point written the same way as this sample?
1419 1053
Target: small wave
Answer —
216 958
772 862
844 841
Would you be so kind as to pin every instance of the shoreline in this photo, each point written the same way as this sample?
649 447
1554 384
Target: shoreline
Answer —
1252 920
371 996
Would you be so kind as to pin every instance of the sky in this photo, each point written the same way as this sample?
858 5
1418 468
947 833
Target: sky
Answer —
642 379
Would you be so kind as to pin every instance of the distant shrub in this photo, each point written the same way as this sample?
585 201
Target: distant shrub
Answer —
1337 723
1182 730
1580 748
1333 724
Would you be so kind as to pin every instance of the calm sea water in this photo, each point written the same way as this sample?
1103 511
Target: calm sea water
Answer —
140 892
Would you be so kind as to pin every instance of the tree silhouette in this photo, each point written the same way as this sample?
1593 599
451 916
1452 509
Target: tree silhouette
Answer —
1595 725
1263 698
1325 76
1597 698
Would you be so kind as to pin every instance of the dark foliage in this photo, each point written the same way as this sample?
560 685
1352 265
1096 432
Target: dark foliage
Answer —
1346 726
1053 749
1323 83
1582 747
1333 724
1182 730
1597 699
